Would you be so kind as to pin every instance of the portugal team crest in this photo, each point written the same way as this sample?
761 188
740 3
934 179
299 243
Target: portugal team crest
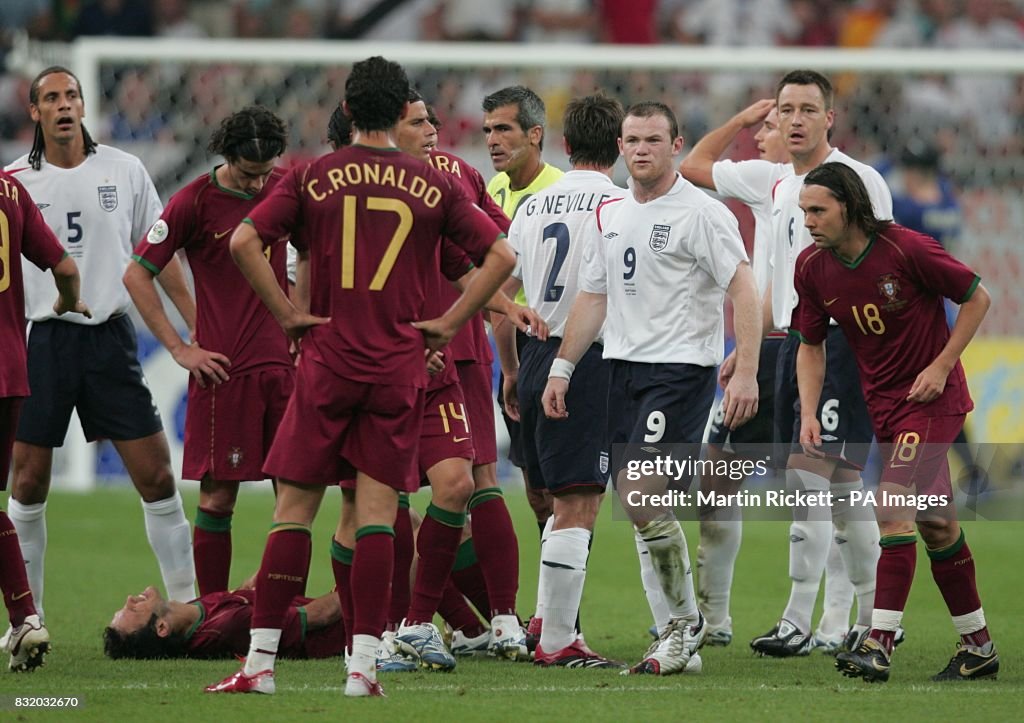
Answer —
659 236
108 197
889 287
235 456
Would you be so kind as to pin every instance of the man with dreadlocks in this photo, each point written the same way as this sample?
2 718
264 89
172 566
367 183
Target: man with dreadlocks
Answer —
97 200
239 361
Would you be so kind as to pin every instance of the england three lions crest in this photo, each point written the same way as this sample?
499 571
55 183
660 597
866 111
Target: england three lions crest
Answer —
108 197
889 287
659 237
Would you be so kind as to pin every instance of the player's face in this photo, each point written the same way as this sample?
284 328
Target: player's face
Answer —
137 611
803 119
508 143
770 144
648 147
249 176
415 134
824 217
60 109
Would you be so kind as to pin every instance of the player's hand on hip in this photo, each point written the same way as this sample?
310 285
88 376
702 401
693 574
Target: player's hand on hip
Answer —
810 437
727 369
435 361
554 398
530 323
436 332
740 400
204 365
300 322
79 307
928 385
510 395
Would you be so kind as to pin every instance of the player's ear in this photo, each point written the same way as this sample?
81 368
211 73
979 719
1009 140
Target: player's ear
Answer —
566 147
536 135
162 628
677 146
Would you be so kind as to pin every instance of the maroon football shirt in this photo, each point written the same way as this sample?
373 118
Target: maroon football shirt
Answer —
373 219
230 318
23 232
226 617
889 305
471 343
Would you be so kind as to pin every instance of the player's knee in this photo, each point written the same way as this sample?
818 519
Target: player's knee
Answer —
455 493
158 485
938 533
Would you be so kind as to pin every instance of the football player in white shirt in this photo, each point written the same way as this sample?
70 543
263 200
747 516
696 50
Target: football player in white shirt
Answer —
656 274
569 458
752 182
804 101
99 201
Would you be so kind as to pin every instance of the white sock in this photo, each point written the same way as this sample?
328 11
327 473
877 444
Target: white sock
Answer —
835 618
170 536
809 540
263 644
30 524
860 553
541 592
886 619
652 587
670 559
364 656
563 569
716 561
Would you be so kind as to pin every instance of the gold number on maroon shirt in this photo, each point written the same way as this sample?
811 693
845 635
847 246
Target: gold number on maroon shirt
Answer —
872 319
5 252
348 239
905 448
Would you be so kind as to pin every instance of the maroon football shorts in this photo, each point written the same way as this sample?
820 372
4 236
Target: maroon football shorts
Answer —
229 427
334 426
476 382
445 432
914 450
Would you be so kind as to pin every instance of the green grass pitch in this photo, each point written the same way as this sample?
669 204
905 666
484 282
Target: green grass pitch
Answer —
98 555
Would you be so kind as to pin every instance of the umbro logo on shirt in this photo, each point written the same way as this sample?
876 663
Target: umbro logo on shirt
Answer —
610 235
41 206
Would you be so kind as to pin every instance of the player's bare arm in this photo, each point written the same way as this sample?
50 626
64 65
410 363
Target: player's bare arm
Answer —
300 292
581 329
696 166
810 376
526 319
740 401
498 264
930 383
247 251
172 280
65 275
204 365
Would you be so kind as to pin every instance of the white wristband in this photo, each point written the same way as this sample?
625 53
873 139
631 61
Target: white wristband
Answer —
562 368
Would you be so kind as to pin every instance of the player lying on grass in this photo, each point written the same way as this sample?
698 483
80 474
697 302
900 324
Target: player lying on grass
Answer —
216 625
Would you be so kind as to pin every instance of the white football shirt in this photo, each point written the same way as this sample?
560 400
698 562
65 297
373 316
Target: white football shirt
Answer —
98 210
790 237
665 266
752 182
548 235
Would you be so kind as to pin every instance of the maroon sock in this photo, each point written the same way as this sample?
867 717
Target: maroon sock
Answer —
457 613
894 576
282 574
469 578
954 573
13 580
436 544
497 549
341 563
372 565
400 586
211 550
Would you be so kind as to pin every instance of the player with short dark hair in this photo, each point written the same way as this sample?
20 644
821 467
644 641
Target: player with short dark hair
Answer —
665 245
99 201
884 284
25 233
373 216
241 370
216 625
568 457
